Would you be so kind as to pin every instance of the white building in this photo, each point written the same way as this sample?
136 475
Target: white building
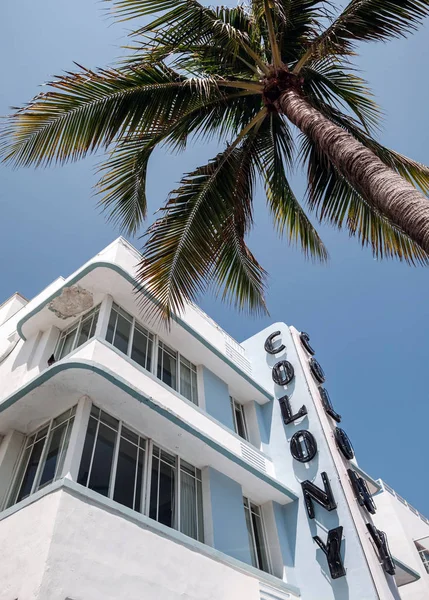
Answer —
140 462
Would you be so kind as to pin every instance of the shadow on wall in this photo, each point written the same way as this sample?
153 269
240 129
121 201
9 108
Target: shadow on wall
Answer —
339 586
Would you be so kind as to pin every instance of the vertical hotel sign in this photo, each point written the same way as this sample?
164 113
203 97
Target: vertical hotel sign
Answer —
303 447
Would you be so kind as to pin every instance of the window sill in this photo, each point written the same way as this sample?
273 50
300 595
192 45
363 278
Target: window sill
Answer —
73 488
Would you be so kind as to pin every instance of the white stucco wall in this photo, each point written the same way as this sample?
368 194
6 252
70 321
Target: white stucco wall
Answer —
403 527
365 578
63 546
25 539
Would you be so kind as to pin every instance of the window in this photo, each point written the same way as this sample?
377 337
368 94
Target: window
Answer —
138 343
129 337
43 457
239 419
167 365
114 464
77 334
424 555
176 494
255 531
188 380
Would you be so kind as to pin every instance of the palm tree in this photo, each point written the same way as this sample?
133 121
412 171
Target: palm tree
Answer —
243 75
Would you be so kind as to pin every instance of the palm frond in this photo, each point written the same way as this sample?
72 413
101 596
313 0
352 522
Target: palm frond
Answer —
366 21
302 24
336 202
184 248
123 183
411 170
327 81
88 110
276 152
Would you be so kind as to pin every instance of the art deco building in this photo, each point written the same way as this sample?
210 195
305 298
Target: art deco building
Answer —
139 462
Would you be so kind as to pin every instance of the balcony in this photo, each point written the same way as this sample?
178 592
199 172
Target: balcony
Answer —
72 543
112 272
130 393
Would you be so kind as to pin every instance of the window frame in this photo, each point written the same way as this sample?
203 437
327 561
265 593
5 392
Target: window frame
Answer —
247 505
76 325
158 344
14 488
151 337
234 405
114 466
147 474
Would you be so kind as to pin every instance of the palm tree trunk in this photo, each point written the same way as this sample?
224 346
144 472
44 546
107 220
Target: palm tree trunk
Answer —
377 183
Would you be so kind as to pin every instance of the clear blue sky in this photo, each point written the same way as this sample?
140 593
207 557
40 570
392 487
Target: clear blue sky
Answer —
368 320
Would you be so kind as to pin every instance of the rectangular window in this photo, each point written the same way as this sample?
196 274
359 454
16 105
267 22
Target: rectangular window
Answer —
188 380
77 334
130 338
255 531
96 465
167 365
239 419
138 343
43 457
162 506
114 464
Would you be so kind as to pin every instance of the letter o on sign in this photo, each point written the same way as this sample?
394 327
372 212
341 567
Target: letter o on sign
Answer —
282 372
317 371
344 444
303 446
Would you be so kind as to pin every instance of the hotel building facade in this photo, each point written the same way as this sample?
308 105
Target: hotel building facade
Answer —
143 462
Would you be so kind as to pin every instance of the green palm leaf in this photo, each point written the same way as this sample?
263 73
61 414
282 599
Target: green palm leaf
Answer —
123 185
290 219
366 21
335 201
184 249
328 82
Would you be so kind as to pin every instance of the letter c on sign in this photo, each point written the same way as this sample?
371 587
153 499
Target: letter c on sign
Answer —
269 344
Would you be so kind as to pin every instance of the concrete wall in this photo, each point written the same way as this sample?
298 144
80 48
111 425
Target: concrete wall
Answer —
25 539
403 527
64 547
217 401
224 502
310 566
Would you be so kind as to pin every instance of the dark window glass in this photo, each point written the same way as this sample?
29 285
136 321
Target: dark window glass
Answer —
31 469
162 491
102 462
139 483
239 419
167 365
126 473
111 326
53 454
259 542
85 462
122 334
255 533
141 351
85 330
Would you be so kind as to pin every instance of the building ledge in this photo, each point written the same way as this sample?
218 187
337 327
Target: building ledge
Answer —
102 277
73 488
171 423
